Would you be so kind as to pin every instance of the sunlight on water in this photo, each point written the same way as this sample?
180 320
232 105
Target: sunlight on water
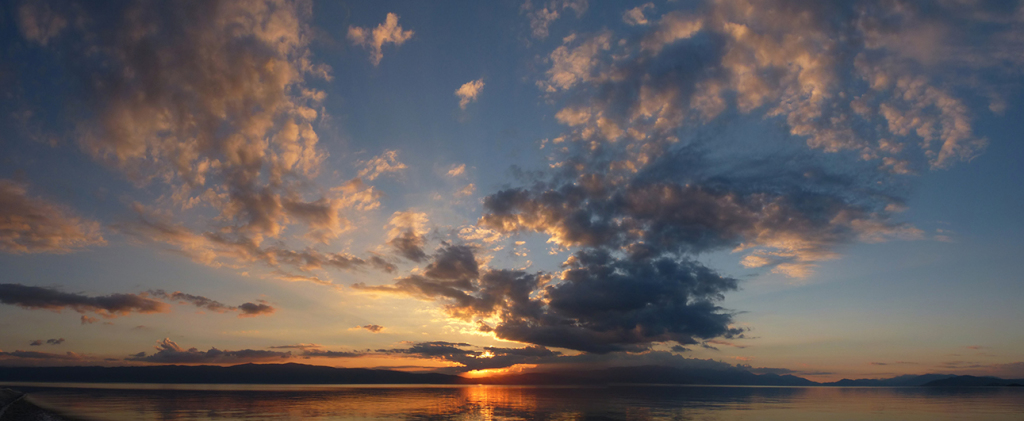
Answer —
277 402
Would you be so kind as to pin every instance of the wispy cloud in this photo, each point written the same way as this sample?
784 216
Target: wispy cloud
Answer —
39 23
33 225
389 32
244 309
385 163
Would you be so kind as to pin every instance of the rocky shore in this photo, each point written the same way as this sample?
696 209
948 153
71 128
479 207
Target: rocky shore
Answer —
14 407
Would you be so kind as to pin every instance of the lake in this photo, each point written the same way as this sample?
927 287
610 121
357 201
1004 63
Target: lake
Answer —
145 402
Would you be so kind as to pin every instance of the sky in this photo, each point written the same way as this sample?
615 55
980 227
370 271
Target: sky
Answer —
824 189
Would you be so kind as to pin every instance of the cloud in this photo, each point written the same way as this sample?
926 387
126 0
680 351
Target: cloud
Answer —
457 170
469 91
641 90
33 225
1012 370
244 310
466 191
196 300
635 16
168 352
297 346
407 232
722 343
55 341
373 328
39 23
475 359
218 249
865 94
388 32
542 17
601 304
255 309
385 163
475 233
542 359
33 355
112 305
209 100
37 342
779 219
570 66
781 371
331 354
635 195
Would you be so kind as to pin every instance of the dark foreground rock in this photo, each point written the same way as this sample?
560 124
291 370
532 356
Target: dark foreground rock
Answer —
14 407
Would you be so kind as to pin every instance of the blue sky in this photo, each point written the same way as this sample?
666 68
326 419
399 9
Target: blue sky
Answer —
825 190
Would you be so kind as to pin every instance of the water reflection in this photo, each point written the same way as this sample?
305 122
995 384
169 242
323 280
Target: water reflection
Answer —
275 402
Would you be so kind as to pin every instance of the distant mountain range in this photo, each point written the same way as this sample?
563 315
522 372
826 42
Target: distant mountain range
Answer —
293 373
290 373
905 380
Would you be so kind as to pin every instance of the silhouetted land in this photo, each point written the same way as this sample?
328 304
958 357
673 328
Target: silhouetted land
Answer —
293 373
971 381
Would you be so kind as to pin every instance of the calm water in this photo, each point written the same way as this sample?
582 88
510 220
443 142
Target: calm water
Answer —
281 402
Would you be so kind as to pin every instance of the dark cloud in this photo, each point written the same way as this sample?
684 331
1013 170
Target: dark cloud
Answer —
55 341
473 358
453 263
373 328
781 371
407 236
196 300
244 310
33 355
112 305
297 346
37 342
409 245
602 304
255 309
169 352
607 304
479 358
381 264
